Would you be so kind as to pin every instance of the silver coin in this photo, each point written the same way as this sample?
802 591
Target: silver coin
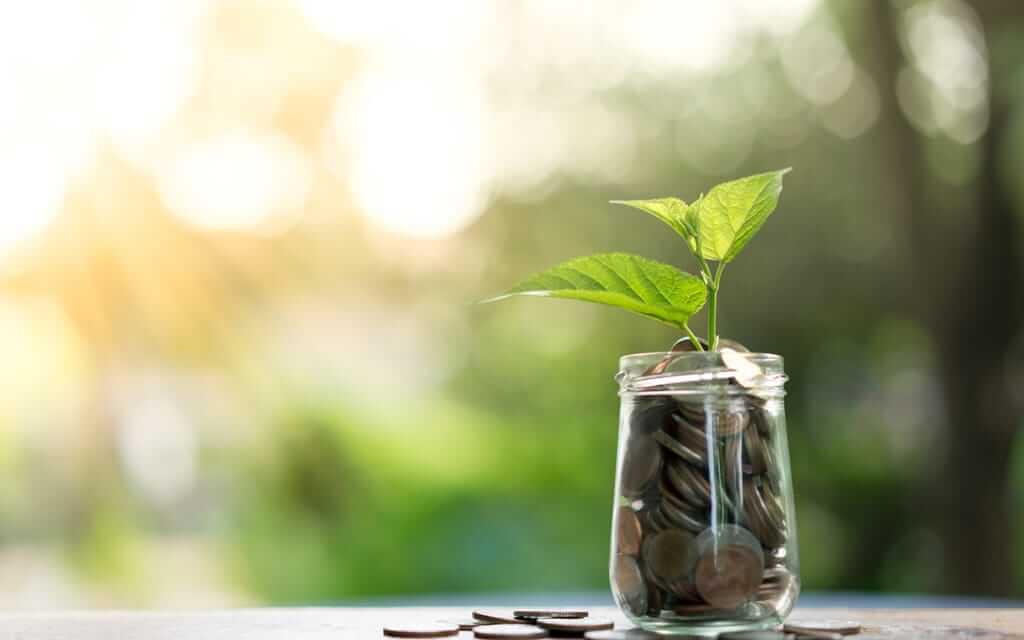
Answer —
498 631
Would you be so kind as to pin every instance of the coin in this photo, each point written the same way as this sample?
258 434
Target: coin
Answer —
630 589
729 567
424 630
552 613
728 422
465 624
757 452
767 522
640 464
677 518
842 627
679 449
819 635
502 616
627 535
667 554
725 343
621 634
509 631
690 436
578 625
651 413
689 484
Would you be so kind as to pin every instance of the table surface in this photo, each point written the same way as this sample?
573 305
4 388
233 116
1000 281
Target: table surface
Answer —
364 623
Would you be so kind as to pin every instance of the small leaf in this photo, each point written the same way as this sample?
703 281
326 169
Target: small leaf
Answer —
732 212
671 211
650 288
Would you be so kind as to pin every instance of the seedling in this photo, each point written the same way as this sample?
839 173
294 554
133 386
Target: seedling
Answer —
716 226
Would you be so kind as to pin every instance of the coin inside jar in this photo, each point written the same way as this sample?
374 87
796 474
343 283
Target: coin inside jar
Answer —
627 533
729 566
629 585
640 464
667 555
671 444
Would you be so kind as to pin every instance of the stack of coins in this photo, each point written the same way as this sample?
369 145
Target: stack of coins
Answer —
702 531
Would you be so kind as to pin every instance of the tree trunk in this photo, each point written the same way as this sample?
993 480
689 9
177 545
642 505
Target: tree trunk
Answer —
972 285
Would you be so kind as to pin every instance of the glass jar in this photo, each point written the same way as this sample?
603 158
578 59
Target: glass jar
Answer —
703 531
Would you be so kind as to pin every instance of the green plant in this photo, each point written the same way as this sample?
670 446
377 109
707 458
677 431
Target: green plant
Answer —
716 227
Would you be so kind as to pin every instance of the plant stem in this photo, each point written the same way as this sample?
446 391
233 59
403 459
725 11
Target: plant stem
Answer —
713 307
693 338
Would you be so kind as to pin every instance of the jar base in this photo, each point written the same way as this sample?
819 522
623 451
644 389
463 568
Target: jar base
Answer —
709 628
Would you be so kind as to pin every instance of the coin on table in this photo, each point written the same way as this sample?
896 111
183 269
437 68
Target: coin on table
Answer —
730 565
630 589
465 624
497 616
621 634
424 630
553 613
576 625
667 554
509 631
627 535
640 464
842 627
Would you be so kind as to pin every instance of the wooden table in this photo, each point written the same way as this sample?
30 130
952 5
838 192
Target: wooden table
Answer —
366 623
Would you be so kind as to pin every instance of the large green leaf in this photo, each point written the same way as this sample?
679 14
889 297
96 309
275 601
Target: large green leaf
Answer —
629 282
669 210
732 212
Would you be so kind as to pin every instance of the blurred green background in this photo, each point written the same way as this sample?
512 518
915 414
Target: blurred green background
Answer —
240 243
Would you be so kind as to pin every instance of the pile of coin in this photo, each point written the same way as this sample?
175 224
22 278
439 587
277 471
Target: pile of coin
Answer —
702 530
520 624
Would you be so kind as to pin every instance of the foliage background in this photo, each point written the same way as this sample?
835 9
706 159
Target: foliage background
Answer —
239 242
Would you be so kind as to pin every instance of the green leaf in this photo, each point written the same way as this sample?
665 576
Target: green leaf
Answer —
732 212
671 211
650 288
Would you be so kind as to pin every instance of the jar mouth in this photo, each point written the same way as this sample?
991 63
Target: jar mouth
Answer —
719 373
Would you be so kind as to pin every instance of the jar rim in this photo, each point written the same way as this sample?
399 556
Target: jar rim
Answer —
698 372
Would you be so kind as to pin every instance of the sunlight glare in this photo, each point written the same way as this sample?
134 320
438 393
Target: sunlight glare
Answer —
236 180
417 158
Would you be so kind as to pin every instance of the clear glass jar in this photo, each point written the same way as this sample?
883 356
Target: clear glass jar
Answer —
703 532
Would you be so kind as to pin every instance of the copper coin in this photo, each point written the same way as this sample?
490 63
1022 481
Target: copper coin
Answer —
627 536
640 464
725 343
533 614
677 518
465 624
621 634
690 436
689 484
509 631
425 630
728 423
757 452
630 589
667 554
579 625
676 447
730 566
767 523
842 627
497 616
651 413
